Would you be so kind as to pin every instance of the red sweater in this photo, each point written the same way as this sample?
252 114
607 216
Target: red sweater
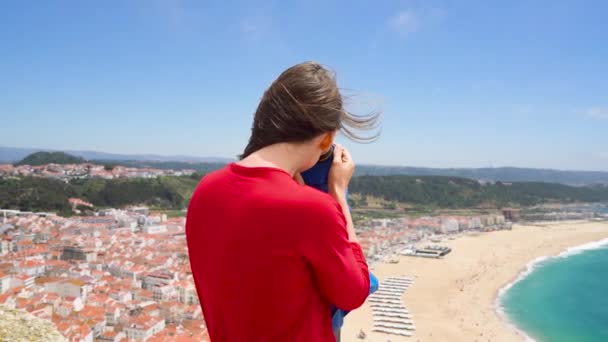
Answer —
269 257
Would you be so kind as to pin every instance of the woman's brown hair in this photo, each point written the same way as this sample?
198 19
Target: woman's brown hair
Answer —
301 104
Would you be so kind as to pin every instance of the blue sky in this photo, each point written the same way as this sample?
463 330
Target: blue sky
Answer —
461 83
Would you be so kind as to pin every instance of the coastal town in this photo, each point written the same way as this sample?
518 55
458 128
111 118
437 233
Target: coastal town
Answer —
122 274
67 172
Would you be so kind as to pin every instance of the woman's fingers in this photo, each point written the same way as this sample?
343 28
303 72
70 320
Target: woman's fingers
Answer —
338 152
346 156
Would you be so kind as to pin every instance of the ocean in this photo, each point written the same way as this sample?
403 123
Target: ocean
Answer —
563 298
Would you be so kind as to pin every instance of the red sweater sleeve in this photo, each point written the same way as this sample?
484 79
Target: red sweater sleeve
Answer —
338 265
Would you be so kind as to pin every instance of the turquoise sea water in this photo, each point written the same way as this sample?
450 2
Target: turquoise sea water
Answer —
563 298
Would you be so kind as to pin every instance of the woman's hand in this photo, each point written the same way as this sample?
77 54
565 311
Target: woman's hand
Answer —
341 172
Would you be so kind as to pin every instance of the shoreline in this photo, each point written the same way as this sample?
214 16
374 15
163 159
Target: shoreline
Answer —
500 292
459 297
530 267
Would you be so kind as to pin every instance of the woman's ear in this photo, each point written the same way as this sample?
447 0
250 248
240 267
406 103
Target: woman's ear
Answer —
327 141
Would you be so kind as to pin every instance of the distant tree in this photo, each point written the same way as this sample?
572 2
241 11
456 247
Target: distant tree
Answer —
390 205
42 158
196 176
363 201
85 210
173 193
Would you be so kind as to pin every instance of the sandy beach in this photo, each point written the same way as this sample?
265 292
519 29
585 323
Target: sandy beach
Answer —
454 299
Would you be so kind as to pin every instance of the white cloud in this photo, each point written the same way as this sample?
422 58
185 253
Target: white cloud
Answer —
414 19
173 11
256 27
597 113
404 22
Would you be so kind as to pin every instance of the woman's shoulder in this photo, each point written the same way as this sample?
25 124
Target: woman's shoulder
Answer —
309 199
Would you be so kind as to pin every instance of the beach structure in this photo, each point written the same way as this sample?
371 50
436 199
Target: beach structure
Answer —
398 325
387 301
399 287
393 331
443 249
393 313
392 295
390 310
391 283
389 314
396 286
424 252
394 320
399 282
387 306
381 309
394 325
389 291
386 296
394 278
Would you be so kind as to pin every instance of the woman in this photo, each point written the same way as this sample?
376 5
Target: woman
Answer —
270 256
318 177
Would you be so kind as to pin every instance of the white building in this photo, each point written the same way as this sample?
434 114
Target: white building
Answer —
187 295
164 293
111 336
143 327
121 296
475 223
68 288
31 268
155 229
160 278
380 223
22 280
5 283
5 247
112 315
449 225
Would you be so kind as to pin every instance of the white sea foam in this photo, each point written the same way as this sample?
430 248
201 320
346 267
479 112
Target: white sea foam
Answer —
533 265
579 249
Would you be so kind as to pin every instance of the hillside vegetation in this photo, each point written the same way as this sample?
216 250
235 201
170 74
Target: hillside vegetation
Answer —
500 174
42 158
452 192
42 194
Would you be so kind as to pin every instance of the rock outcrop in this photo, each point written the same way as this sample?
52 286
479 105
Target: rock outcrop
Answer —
19 325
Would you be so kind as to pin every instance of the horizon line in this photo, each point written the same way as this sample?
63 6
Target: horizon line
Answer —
228 159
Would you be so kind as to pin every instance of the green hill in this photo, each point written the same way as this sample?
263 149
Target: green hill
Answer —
41 158
502 174
453 192
42 194
163 165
